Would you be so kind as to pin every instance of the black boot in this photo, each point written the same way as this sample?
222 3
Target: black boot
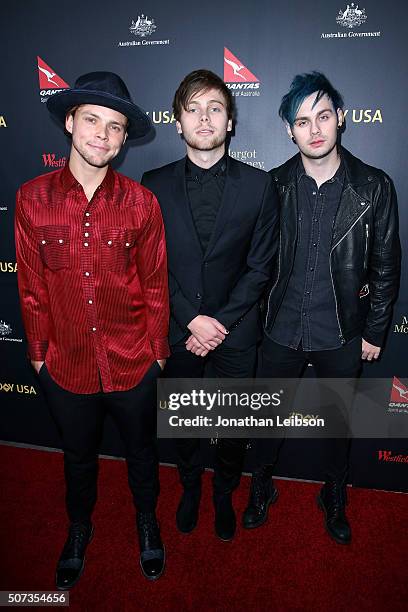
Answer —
262 495
332 500
225 521
187 511
152 555
72 560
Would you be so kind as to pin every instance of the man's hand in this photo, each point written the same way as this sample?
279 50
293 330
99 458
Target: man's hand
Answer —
196 347
208 331
369 351
161 362
37 365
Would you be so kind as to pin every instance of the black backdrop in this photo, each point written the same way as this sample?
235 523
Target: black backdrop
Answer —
152 46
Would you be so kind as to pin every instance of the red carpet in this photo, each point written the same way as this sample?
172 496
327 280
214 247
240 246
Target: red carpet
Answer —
289 564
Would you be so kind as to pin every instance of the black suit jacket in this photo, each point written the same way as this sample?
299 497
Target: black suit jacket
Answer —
227 281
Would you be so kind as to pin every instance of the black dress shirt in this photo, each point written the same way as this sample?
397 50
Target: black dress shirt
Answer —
307 315
205 188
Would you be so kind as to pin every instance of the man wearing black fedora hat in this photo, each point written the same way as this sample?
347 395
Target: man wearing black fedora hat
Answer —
92 277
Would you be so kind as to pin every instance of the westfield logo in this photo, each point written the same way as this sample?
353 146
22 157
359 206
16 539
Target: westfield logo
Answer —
387 456
50 160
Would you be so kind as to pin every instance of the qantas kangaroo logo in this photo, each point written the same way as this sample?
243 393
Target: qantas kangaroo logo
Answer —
399 391
235 71
48 78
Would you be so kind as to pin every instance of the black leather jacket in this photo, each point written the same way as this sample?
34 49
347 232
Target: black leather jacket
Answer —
365 253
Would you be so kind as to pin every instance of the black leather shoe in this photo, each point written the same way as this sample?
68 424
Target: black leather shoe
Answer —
225 521
187 511
261 496
72 560
332 500
152 555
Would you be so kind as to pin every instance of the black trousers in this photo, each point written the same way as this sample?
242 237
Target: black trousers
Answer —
80 419
222 362
279 361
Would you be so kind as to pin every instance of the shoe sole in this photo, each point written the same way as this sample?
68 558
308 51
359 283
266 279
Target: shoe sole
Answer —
67 588
270 502
153 578
321 507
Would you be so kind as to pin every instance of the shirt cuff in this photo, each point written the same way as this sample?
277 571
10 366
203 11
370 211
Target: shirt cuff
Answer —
37 350
160 347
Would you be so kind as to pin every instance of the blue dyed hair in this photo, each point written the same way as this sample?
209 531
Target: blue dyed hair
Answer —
302 86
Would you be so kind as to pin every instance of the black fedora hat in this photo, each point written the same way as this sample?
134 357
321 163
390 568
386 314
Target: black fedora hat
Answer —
103 89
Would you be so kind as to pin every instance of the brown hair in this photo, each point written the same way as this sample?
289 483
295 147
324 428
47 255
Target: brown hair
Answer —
200 80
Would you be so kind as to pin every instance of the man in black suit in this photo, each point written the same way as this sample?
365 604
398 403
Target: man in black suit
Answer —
220 217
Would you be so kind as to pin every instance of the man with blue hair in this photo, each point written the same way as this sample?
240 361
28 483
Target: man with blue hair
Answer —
336 278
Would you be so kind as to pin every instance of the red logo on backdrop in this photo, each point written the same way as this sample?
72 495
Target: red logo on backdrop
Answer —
399 392
386 455
235 71
50 160
50 82
48 78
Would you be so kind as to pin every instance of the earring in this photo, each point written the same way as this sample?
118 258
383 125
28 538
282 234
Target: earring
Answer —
294 140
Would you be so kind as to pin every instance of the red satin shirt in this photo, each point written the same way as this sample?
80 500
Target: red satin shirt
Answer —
92 280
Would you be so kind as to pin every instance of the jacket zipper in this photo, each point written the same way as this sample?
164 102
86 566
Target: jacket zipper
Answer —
366 247
342 339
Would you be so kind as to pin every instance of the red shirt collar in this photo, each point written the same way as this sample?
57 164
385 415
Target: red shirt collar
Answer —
69 182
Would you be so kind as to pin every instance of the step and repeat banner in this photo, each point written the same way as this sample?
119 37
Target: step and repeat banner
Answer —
257 48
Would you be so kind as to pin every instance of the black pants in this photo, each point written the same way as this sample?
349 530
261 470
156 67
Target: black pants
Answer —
279 361
223 362
80 419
